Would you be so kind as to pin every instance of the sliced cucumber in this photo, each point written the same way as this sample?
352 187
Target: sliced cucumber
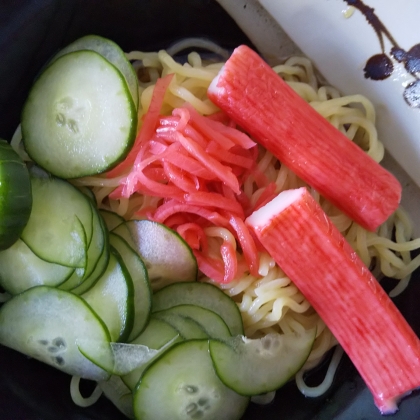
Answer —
126 357
142 291
47 323
182 385
255 367
99 270
74 280
209 321
112 298
157 334
79 118
113 53
201 294
21 269
15 195
88 193
96 249
83 279
112 220
187 327
167 256
129 356
123 231
60 223
97 244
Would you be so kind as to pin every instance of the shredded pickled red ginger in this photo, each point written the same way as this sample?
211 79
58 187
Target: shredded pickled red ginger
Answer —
197 164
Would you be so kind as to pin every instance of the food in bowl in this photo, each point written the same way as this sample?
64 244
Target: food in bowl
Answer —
193 171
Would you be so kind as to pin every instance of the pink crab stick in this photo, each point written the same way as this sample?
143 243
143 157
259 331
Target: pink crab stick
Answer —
312 252
256 98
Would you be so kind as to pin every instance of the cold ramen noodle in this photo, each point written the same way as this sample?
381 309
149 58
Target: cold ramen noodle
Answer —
204 182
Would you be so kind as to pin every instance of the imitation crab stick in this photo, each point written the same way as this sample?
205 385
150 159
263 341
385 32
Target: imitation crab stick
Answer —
308 247
257 99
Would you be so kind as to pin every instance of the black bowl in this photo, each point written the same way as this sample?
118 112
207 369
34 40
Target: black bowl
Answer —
31 31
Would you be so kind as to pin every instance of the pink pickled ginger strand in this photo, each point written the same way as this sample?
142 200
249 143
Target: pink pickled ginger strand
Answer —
194 235
197 165
149 125
223 172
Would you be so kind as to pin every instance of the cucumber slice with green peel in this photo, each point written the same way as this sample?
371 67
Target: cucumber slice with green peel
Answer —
60 223
129 356
79 118
93 256
87 284
167 256
111 298
187 327
99 270
157 334
88 193
257 366
74 280
21 269
48 324
15 195
123 231
126 357
142 291
96 251
112 220
97 244
201 294
113 53
182 384
209 321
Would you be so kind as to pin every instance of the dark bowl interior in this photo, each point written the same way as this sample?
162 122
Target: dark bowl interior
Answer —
30 32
